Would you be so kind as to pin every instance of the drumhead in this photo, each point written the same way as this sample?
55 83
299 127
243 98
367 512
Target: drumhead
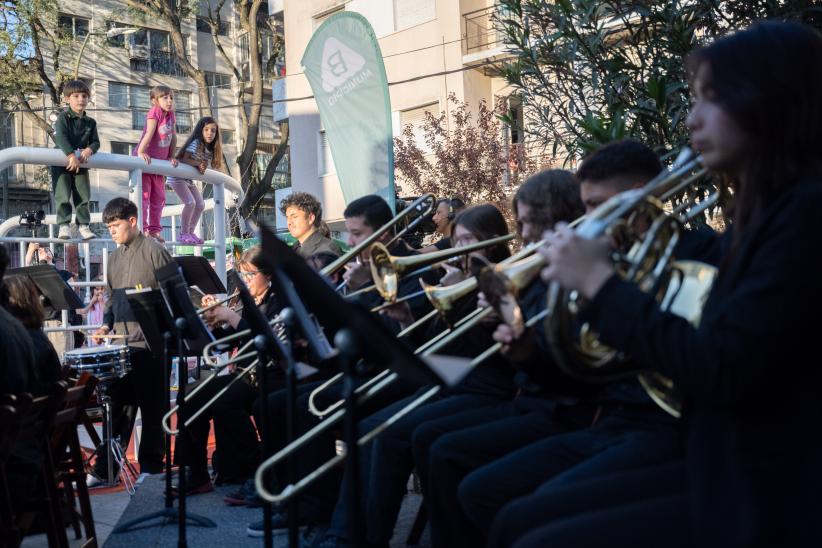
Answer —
94 350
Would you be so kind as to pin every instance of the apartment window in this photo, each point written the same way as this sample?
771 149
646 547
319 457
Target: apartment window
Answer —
71 26
204 26
218 79
416 118
515 112
151 50
262 159
182 111
408 13
118 41
118 147
227 136
325 163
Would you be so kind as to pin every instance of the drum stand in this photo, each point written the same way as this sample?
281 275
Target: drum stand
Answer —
114 451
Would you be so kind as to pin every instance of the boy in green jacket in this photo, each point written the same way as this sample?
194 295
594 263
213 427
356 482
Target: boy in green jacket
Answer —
73 131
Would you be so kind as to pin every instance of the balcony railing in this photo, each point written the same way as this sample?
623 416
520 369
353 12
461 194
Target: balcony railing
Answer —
156 61
481 30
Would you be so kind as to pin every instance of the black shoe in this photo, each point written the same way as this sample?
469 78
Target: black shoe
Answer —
195 485
279 520
246 495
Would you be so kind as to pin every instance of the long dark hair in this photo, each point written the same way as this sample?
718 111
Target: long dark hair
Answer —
768 78
24 301
485 221
553 196
215 147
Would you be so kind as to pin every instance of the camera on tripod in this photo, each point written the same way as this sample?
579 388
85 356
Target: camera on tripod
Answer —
33 219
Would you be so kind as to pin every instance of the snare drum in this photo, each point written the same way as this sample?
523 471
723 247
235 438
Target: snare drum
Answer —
106 362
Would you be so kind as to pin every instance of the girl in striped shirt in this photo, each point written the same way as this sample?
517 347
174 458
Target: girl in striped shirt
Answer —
202 148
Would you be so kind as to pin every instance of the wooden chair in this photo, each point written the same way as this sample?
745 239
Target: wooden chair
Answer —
68 457
36 425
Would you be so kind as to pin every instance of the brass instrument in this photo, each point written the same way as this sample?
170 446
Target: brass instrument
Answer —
386 269
646 236
212 306
362 246
216 369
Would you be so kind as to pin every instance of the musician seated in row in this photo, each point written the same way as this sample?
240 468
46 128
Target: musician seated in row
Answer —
237 453
25 305
443 218
551 194
304 215
387 462
16 352
524 446
747 375
363 217
132 265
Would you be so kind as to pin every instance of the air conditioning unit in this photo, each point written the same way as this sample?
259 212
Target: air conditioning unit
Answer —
137 51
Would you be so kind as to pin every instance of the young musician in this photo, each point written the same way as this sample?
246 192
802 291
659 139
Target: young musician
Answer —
133 264
747 374
304 215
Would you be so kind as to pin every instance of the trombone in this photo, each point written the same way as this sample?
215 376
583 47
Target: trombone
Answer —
359 248
217 368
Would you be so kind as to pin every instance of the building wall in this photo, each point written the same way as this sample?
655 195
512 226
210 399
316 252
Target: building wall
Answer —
432 43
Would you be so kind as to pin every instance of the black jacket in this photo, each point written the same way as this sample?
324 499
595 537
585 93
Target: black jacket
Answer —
751 378
317 243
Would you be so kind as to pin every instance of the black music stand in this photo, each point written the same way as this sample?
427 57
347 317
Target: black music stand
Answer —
197 271
266 341
347 322
191 335
56 293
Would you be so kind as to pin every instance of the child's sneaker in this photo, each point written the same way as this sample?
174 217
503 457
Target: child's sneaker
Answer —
65 232
157 236
85 232
187 238
196 239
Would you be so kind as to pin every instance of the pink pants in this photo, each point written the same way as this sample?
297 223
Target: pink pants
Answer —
154 199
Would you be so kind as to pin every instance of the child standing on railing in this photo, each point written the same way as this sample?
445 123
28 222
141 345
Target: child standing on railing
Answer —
158 141
202 147
74 130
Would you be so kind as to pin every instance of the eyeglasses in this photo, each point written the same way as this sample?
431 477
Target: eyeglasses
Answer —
249 274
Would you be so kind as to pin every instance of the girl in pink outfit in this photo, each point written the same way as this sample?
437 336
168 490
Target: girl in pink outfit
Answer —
202 147
158 141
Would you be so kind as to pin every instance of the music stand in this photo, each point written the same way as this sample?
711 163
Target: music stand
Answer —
179 314
197 271
56 292
345 321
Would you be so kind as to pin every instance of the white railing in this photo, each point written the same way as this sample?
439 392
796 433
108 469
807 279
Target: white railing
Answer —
136 167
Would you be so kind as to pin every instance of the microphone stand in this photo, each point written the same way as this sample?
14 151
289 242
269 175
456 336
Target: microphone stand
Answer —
261 343
289 318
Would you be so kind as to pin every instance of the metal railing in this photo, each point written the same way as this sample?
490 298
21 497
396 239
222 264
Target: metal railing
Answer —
481 29
136 167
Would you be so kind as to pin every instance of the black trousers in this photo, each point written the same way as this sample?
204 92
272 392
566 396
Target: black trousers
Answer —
141 387
646 507
238 450
386 463
490 434
625 439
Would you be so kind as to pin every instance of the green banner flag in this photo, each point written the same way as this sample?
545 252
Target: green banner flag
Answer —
343 64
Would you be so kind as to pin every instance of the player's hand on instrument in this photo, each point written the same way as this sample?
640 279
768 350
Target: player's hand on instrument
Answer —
518 344
222 314
399 312
208 300
452 275
482 302
96 337
357 275
576 262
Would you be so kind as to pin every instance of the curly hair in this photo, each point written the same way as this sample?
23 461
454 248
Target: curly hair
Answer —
305 202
